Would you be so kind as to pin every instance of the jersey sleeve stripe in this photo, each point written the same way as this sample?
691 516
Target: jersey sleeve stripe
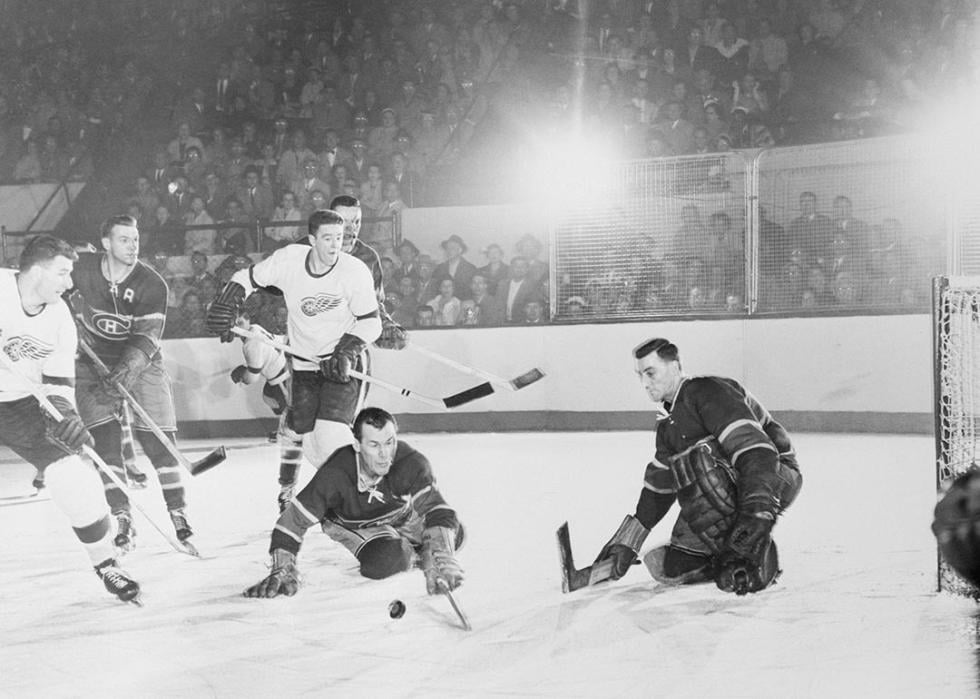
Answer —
767 447
58 380
372 314
735 425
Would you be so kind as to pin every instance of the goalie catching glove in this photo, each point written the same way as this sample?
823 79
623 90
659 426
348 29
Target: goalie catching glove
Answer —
224 310
338 365
442 570
623 548
68 434
283 580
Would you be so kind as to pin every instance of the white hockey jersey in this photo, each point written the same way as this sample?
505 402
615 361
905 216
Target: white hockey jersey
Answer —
38 346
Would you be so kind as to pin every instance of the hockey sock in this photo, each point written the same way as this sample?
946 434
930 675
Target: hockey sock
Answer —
290 456
167 468
76 491
326 438
108 444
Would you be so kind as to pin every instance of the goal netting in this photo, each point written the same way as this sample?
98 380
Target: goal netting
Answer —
956 339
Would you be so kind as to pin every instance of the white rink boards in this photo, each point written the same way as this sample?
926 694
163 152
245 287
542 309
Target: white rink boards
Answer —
854 615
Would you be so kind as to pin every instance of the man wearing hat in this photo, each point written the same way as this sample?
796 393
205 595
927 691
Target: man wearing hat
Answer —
456 267
408 260
357 165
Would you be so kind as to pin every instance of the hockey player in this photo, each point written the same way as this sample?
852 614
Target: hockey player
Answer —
378 498
38 340
332 313
730 467
121 305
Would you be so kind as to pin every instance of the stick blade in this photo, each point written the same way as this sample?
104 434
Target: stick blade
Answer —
571 579
527 378
208 462
468 396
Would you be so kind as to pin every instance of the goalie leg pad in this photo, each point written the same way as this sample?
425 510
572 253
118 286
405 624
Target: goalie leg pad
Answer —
706 494
956 525
670 565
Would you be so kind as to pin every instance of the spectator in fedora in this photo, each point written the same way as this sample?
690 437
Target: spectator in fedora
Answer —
456 267
408 256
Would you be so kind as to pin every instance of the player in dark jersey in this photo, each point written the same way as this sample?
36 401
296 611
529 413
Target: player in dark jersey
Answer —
729 466
120 305
377 498
38 340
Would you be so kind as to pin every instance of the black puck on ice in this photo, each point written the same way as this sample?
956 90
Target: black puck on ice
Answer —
396 609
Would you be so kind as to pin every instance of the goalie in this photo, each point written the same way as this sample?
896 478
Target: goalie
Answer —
730 467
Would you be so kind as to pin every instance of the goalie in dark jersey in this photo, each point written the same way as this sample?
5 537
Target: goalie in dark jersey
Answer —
378 498
120 305
726 462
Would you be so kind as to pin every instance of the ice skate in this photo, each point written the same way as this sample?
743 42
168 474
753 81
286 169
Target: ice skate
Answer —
183 530
125 540
38 482
118 582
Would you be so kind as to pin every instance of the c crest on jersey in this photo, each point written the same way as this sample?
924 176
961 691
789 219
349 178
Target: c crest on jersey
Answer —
26 347
321 303
111 326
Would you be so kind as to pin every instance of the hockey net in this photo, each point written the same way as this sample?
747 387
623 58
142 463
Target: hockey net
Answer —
956 338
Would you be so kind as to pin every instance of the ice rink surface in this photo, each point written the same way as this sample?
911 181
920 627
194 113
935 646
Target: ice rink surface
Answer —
855 613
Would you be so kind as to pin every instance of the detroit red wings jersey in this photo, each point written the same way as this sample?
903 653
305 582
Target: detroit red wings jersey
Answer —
339 493
269 361
38 346
112 314
322 307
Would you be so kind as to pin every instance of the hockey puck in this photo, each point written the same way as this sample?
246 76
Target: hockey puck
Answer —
396 610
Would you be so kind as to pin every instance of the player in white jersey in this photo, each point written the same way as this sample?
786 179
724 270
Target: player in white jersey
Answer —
332 313
38 340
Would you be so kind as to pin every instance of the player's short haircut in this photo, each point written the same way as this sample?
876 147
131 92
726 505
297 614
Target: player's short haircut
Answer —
44 247
376 417
664 348
119 220
323 217
345 200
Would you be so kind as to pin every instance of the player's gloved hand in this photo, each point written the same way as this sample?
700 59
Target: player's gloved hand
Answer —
735 573
69 434
750 535
624 547
132 362
337 366
238 373
224 311
442 570
393 336
283 580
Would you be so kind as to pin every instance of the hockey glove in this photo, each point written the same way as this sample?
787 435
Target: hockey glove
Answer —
393 336
750 536
733 573
224 310
283 580
624 546
238 373
442 570
68 434
337 366
132 362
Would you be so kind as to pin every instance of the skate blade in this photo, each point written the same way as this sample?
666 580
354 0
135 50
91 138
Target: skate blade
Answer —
190 548
136 600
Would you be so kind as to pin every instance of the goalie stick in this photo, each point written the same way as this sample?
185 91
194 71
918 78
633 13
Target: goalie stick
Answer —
48 407
206 463
449 402
571 578
515 384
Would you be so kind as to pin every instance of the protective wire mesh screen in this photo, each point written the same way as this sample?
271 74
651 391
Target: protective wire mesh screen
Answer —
661 237
957 375
849 226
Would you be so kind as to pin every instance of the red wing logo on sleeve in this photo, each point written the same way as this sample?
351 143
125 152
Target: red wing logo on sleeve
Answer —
26 347
321 303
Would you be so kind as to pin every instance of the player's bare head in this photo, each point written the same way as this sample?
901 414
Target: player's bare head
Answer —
350 208
42 249
657 363
326 235
323 217
121 238
375 417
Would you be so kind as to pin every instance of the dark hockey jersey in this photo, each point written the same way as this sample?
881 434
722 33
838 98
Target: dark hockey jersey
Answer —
110 316
707 407
336 494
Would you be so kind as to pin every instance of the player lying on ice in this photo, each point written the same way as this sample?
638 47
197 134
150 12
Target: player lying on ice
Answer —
379 499
730 467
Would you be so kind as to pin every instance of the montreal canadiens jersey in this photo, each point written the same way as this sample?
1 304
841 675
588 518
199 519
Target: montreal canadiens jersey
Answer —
112 315
40 345
321 307
337 493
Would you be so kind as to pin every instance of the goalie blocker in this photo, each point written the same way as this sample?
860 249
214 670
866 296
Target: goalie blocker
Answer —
729 466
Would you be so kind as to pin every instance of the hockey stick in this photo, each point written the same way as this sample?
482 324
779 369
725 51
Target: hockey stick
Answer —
459 612
209 461
50 409
571 578
453 401
515 384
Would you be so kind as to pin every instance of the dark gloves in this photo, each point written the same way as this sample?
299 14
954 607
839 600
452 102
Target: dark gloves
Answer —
224 311
132 362
338 365
69 434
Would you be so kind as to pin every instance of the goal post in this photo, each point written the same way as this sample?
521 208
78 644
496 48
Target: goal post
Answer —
956 391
